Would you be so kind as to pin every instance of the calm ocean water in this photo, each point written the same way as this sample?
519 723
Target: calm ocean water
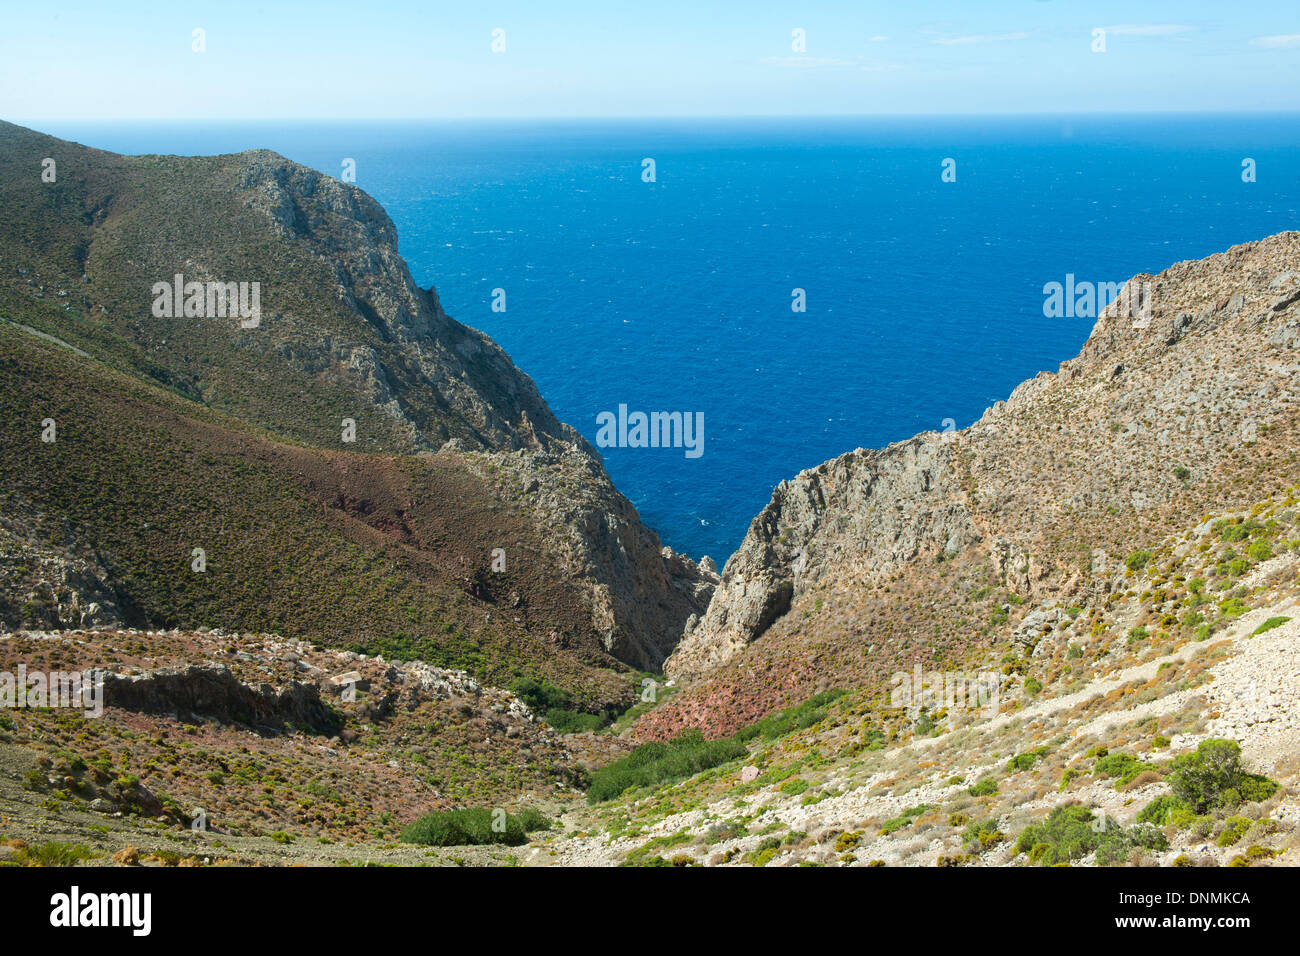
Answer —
924 299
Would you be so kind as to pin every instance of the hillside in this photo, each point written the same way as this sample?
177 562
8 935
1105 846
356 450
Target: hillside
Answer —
341 459
885 558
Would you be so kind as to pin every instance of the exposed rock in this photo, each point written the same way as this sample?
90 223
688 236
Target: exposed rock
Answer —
210 691
1212 366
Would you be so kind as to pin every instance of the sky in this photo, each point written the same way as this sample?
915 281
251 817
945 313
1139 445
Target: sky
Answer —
418 59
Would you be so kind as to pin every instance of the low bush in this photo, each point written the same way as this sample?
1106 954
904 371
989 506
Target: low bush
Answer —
1070 833
474 827
1213 778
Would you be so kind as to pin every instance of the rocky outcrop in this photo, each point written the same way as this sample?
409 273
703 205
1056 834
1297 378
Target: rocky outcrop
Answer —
47 579
893 505
640 593
355 240
198 692
1165 414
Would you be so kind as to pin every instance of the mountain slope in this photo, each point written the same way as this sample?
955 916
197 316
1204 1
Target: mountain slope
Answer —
869 563
344 340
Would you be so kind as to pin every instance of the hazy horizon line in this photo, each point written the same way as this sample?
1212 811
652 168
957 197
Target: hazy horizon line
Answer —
603 117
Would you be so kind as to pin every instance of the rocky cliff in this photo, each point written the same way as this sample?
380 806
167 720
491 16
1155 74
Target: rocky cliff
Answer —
1163 416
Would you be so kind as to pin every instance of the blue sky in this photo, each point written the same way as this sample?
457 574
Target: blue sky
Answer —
398 59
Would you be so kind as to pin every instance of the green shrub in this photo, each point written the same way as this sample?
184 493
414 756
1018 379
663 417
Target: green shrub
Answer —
1122 766
556 706
1268 625
984 788
906 818
1137 560
1233 607
1259 551
52 853
787 721
1233 831
1213 778
663 762
473 827
660 762
981 836
1026 761
1070 833
1159 810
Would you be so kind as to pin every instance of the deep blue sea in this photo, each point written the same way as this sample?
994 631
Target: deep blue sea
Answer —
924 298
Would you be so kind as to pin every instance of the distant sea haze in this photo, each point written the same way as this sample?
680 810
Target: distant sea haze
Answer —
922 248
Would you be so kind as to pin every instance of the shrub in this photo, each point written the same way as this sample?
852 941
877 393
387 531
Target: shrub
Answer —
1259 551
981 836
903 819
556 706
663 762
1268 625
984 788
1158 811
787 721
1123 766
1026 761
52 853
473 827
660 762
1070 833
1138 560
1213 777
1033 685
1233 607
1234 829
795 786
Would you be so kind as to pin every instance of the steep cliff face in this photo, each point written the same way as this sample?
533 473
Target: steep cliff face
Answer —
345 344
1178 409
425 360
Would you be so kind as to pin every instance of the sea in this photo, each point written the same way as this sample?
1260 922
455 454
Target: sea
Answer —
797 287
